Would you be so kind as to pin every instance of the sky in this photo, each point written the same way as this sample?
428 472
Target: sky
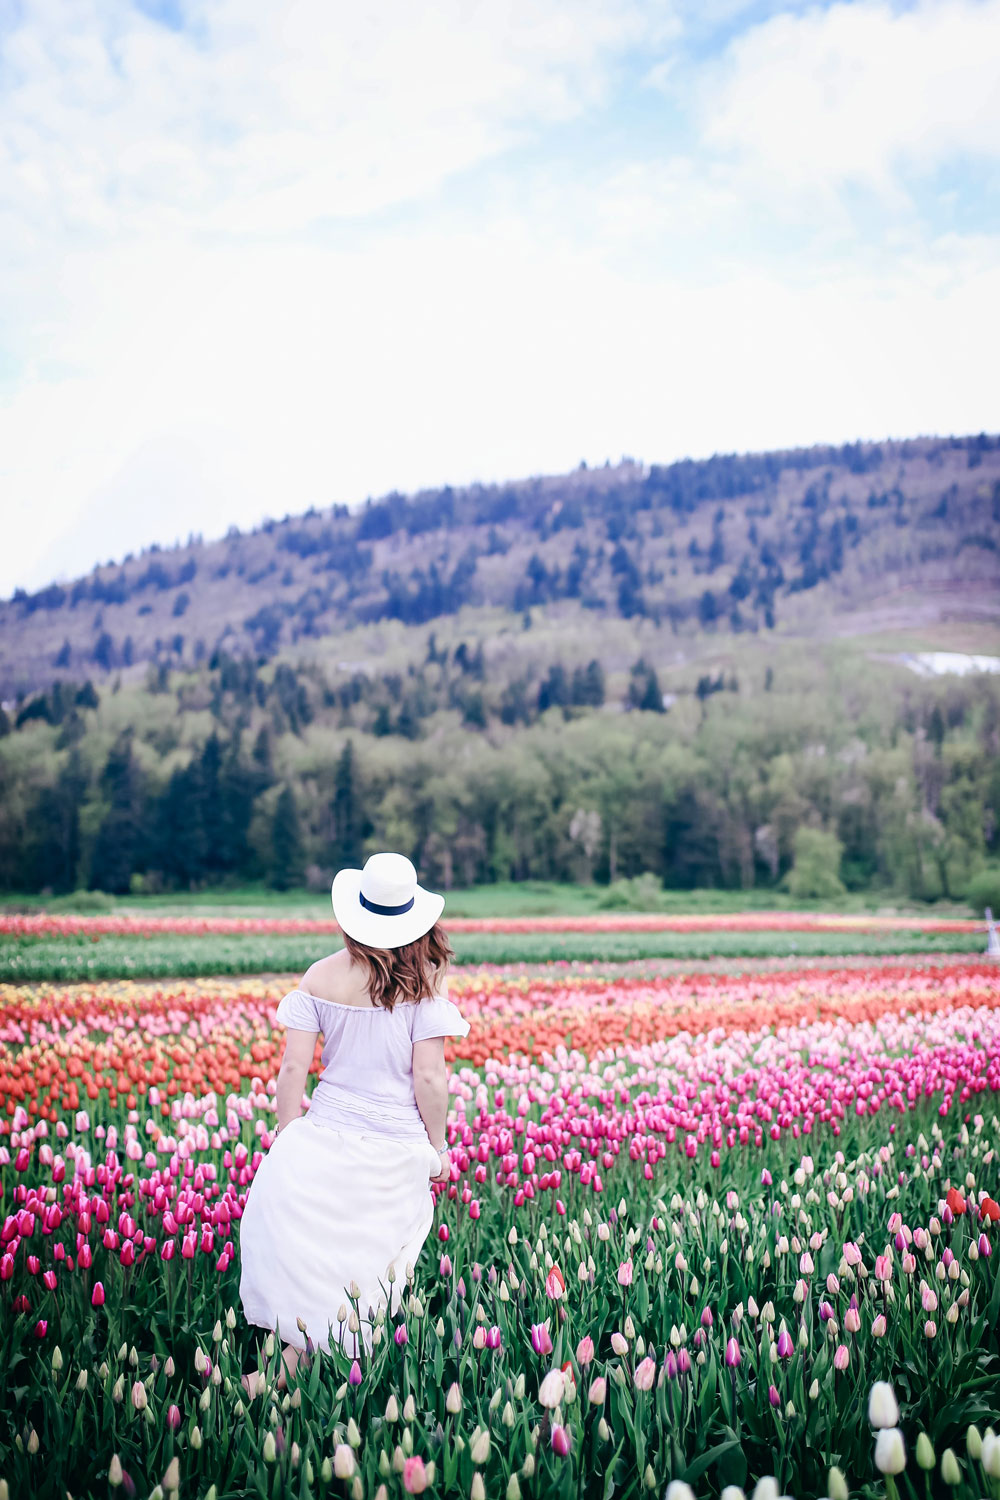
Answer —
258 257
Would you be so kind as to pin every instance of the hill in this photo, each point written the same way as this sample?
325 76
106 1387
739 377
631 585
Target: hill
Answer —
697 672
816 541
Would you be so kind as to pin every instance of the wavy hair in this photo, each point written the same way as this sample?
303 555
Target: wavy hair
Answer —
408 973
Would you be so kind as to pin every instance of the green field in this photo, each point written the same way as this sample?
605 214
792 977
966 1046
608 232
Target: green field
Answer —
82 958
525 898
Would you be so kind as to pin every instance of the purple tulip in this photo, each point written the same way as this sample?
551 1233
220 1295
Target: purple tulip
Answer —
540 1340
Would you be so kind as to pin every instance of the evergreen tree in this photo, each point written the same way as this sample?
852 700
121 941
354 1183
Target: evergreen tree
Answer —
595 684
55 852
117 847
286 843
644 688
348 817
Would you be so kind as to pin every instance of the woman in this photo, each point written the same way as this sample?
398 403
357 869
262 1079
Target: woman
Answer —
341 1204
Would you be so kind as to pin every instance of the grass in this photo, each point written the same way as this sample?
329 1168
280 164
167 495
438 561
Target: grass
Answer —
526 898
74 959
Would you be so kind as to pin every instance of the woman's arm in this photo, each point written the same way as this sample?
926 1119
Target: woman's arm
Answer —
430 1088
300 1047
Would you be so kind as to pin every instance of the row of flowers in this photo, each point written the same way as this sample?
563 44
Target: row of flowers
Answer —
64 1047
46 924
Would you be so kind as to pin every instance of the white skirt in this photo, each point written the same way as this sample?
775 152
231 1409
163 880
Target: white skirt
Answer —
327 1208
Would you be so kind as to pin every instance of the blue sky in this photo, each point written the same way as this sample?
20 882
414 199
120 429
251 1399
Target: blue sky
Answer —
258 257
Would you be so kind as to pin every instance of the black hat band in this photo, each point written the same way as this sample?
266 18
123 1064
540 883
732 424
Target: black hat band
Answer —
385 911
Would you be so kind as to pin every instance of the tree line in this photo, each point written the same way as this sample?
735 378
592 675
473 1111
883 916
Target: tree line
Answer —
709 790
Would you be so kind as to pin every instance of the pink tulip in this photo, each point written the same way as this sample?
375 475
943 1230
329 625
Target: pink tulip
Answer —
540 1340
625 1273
97 1295
414 1475
355 1376
879 1326
773 1396
841 1358
173 1417
585 1350
785 1346
41 1328
645 1374
732 1353
560 1440
401 1336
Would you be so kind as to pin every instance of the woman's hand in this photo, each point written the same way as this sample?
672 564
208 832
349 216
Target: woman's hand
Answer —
444 1174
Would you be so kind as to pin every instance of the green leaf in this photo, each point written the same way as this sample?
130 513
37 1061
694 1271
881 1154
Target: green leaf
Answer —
697 1467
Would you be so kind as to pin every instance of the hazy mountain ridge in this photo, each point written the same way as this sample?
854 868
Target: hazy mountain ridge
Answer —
736 542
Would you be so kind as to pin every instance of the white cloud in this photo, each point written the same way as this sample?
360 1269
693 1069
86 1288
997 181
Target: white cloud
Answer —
263 118
193 344
857 92
306 378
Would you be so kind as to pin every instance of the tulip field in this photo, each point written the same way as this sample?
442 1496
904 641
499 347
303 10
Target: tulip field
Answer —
707 1234
38 946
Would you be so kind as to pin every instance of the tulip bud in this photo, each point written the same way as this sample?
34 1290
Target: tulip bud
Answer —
453 1400
883 1408
890 1453
925 1452
115 1471
951 1473
991 1453
479 1448
836 1485
678 1490
343 1461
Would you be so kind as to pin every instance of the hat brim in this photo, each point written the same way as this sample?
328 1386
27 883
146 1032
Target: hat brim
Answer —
377 931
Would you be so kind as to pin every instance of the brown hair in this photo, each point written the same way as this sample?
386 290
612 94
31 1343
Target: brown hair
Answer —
406 973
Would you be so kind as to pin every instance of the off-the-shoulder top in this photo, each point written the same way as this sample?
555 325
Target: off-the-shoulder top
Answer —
367 1080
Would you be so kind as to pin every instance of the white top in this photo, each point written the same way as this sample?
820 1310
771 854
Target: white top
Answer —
367 1080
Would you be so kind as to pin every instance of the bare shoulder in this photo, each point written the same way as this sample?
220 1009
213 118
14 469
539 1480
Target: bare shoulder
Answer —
326 976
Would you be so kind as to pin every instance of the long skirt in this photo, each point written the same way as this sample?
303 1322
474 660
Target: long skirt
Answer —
328 1208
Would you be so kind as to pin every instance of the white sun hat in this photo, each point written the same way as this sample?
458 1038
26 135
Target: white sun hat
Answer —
382 905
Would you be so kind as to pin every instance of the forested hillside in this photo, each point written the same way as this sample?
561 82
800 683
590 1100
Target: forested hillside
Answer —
582 678
481 767
807 540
